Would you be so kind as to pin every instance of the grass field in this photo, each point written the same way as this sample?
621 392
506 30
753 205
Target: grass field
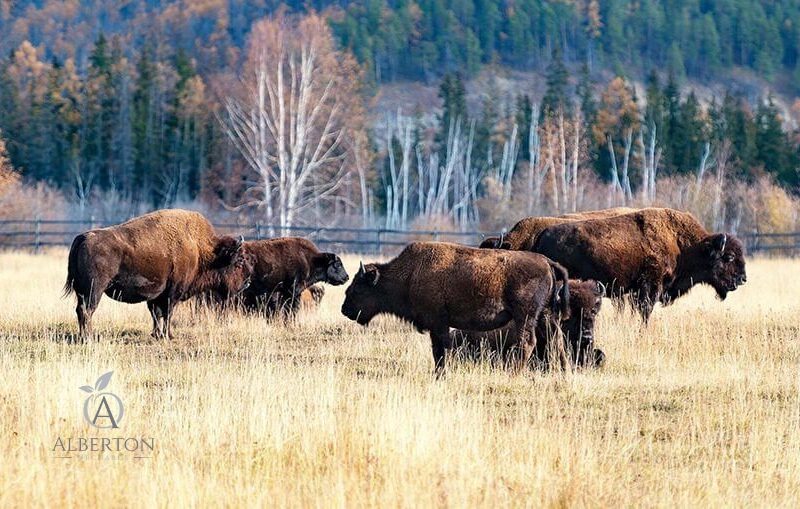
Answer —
701 408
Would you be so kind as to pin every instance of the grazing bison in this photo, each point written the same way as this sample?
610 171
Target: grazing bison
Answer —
523 235
577 329
283 269
436 286
651 255
162 258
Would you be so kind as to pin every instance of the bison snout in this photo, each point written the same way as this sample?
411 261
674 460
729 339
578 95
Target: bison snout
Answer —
349 313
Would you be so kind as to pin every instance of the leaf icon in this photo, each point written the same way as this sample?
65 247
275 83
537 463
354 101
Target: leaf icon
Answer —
87 388
101 382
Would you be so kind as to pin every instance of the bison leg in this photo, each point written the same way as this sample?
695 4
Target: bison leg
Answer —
441 342
525 343
88 299
168 308
158 316
161 311
645 298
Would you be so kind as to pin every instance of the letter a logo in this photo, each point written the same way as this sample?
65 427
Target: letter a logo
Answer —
108 415
109 410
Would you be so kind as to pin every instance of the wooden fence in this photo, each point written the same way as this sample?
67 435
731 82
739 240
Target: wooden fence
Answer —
36 234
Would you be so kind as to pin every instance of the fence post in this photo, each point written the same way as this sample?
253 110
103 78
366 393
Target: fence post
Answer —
378 245
258 230
38 231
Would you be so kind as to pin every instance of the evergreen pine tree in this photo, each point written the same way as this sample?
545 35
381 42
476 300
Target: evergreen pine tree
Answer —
555 96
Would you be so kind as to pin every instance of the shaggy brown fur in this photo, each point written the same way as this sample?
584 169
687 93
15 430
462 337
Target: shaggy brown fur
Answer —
577 330
283 268
163 258
523 235
436 286
651 255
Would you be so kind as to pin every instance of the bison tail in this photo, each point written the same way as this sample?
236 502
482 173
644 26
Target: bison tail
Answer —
561 298
72 264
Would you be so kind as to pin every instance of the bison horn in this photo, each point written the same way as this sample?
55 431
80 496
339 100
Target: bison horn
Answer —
240 240
361 269
601 288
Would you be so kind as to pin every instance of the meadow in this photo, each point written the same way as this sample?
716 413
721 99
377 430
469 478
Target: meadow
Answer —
699 408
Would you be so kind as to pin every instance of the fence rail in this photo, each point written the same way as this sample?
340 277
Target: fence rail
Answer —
40 233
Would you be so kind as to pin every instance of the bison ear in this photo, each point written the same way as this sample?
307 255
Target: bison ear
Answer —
372 276
717 244
489 243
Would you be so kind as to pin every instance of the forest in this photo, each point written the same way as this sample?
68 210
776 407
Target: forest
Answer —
267 110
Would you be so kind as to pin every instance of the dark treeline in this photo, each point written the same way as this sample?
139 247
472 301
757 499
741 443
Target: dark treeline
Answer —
142 128
146 128
402 38
428 38
125 97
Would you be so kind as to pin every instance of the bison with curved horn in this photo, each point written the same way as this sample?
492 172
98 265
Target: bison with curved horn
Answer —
436 286
161 258
652 255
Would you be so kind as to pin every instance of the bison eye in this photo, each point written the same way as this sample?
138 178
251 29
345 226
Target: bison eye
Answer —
729 258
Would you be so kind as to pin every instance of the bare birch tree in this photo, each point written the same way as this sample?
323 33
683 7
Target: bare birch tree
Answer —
397 211
537 169
650 158
723 156
297 108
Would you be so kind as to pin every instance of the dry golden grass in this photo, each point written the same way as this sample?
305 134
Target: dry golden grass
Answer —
701 408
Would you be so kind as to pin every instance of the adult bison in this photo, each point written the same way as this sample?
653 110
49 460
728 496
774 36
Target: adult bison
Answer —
283 269
523 234
651 255
576 328
436 286
162 258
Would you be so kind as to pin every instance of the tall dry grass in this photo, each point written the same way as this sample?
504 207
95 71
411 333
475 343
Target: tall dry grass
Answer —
701 408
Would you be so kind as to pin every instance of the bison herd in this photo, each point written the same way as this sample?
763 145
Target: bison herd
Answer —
532 292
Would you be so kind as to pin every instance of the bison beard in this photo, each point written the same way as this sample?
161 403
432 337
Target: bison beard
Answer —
162 258
436 286
652 255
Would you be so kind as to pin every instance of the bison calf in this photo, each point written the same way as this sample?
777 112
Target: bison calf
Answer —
436 286
283 269
162 258
577 330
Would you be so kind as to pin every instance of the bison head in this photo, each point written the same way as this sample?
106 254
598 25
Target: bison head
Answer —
585 298
361 301
490 243
227 251
237 276
494 243
725 263
329 268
